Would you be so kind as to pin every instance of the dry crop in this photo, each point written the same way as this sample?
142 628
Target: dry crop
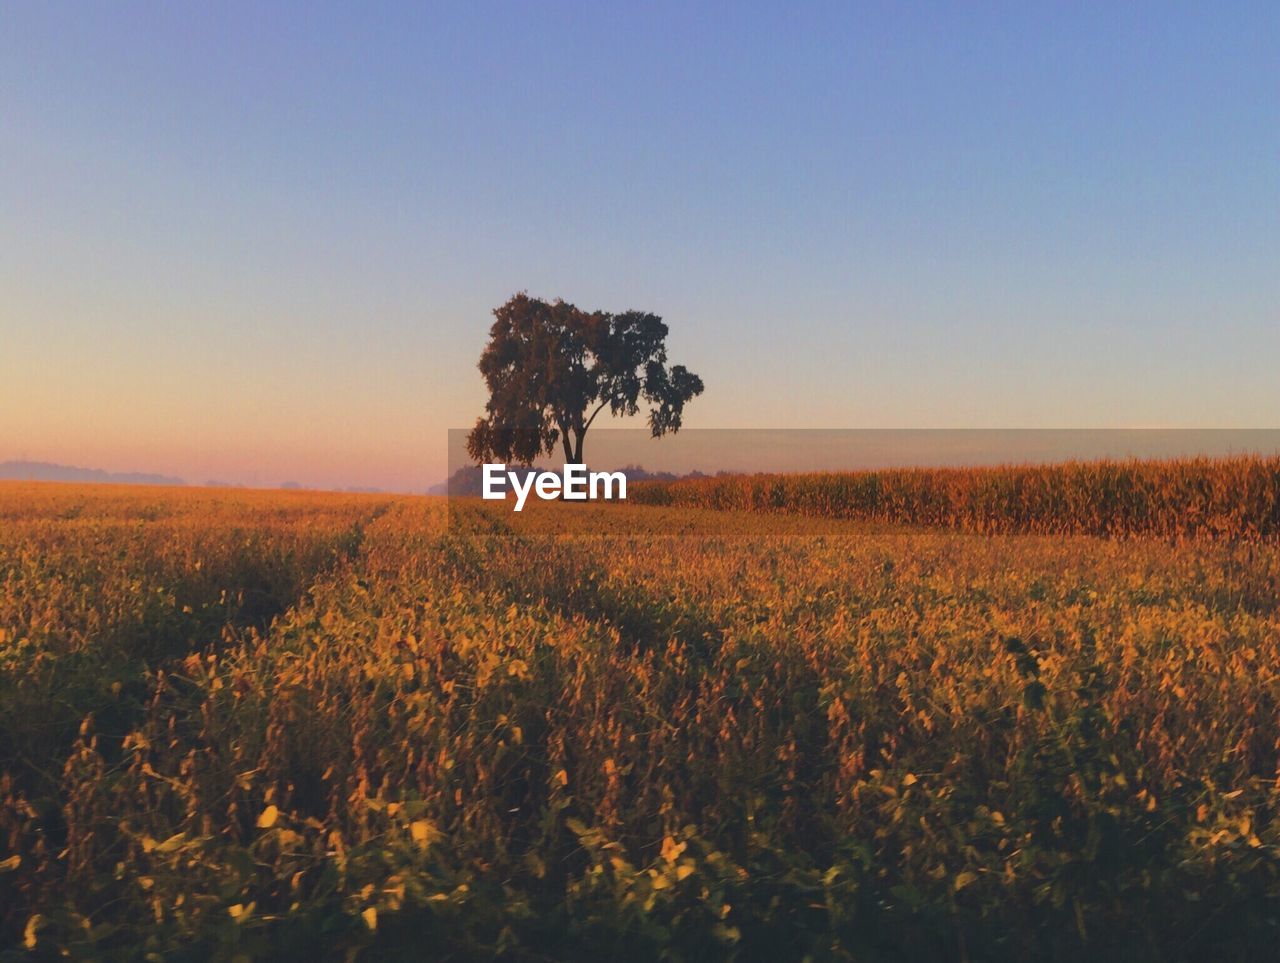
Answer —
273 725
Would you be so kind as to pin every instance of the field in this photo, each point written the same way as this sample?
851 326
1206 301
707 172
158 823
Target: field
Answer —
276 725
1236 498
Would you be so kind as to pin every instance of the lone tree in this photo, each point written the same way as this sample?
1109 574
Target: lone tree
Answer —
551 368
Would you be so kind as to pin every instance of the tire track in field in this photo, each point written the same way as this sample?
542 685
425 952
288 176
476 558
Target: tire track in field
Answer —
728 670
485 552
43 705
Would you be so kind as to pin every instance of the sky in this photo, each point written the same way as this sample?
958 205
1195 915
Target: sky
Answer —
256 242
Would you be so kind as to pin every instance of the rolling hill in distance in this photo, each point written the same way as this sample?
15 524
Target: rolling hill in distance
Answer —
48 471
43 471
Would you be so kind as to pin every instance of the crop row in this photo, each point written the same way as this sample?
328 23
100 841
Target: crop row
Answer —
1227 498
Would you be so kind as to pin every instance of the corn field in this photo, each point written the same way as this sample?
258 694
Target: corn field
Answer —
1235 498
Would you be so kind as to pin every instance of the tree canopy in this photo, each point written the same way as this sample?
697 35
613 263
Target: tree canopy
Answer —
552 368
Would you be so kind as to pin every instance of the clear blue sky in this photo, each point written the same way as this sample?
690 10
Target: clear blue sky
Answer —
257 241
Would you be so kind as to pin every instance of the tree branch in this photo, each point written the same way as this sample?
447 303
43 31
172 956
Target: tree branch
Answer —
599 409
